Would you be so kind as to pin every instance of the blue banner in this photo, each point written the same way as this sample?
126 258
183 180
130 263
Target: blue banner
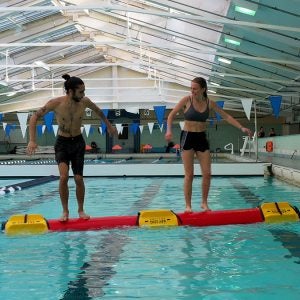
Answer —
39 130
134 127
221 105
275 103
160 113
7 130
48 118
102 124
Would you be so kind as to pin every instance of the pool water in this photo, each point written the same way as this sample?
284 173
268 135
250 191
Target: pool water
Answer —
256 261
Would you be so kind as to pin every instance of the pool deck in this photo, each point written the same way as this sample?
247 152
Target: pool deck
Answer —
153 164
100 165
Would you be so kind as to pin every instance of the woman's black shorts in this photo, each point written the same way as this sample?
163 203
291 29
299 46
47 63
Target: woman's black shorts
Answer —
193 140
70 149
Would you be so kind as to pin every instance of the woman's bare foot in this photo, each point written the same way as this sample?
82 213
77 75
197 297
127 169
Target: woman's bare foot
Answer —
64 217
188 209
83 215
205 207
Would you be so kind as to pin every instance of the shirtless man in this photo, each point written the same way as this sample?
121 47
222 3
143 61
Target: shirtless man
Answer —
70 145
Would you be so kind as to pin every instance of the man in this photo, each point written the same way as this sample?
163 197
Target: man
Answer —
69 145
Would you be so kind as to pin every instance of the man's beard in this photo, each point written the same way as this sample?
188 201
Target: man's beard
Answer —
76 99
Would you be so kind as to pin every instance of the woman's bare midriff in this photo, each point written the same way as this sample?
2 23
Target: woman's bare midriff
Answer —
194 126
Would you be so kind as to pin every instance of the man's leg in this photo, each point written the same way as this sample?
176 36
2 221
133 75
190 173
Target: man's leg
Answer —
80 193
64 189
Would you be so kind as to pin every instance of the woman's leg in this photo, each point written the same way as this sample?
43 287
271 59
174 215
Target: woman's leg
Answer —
188 163
205 165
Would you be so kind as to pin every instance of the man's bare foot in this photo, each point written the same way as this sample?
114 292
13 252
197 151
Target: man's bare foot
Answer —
188 210
64 217
83 215
205 207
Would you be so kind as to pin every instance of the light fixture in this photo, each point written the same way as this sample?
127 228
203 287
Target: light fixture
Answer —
41 64
224 60
214 83
79 28
11 94
211 91
245 7
230 40
3 83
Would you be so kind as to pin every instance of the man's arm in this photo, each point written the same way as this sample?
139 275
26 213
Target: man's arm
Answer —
111 130
32 145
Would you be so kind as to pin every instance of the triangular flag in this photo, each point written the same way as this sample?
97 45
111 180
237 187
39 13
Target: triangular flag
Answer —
160 113
103 125
181 124
48 118
119 128
247 105
55 129
39 129
7 129
1 116
220 104
100 130
87 128
23 122
276 103
4 125
81 129
150 126
43 128
141 128
134 127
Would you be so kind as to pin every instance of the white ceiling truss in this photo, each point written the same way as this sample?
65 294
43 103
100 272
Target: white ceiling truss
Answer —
138 53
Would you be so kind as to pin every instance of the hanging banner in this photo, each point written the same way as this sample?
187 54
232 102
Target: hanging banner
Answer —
22 117
48 119
150 126
221 105
1 117
134 127
8 128
247 105
160 113
141 128
103 125
39 129
275 103
87 128
55 129
119 128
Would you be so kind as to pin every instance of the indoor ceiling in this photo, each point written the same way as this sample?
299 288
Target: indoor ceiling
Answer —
168 42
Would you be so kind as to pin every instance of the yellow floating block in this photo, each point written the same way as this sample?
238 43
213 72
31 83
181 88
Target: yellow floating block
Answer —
26 224
279 212
159 217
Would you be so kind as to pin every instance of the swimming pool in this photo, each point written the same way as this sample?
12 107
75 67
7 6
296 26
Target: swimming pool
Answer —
257 261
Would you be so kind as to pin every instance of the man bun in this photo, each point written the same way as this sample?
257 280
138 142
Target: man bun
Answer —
66 77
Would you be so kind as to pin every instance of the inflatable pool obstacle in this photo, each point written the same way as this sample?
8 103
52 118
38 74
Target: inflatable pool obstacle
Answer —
271 212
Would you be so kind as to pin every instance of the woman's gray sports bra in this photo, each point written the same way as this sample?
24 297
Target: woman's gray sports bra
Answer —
193 115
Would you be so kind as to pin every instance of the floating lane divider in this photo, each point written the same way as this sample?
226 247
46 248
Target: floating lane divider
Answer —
268 212
26 184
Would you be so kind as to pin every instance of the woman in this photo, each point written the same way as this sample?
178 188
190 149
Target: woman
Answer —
193 138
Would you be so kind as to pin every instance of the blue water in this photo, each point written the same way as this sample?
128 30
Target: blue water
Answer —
256 261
